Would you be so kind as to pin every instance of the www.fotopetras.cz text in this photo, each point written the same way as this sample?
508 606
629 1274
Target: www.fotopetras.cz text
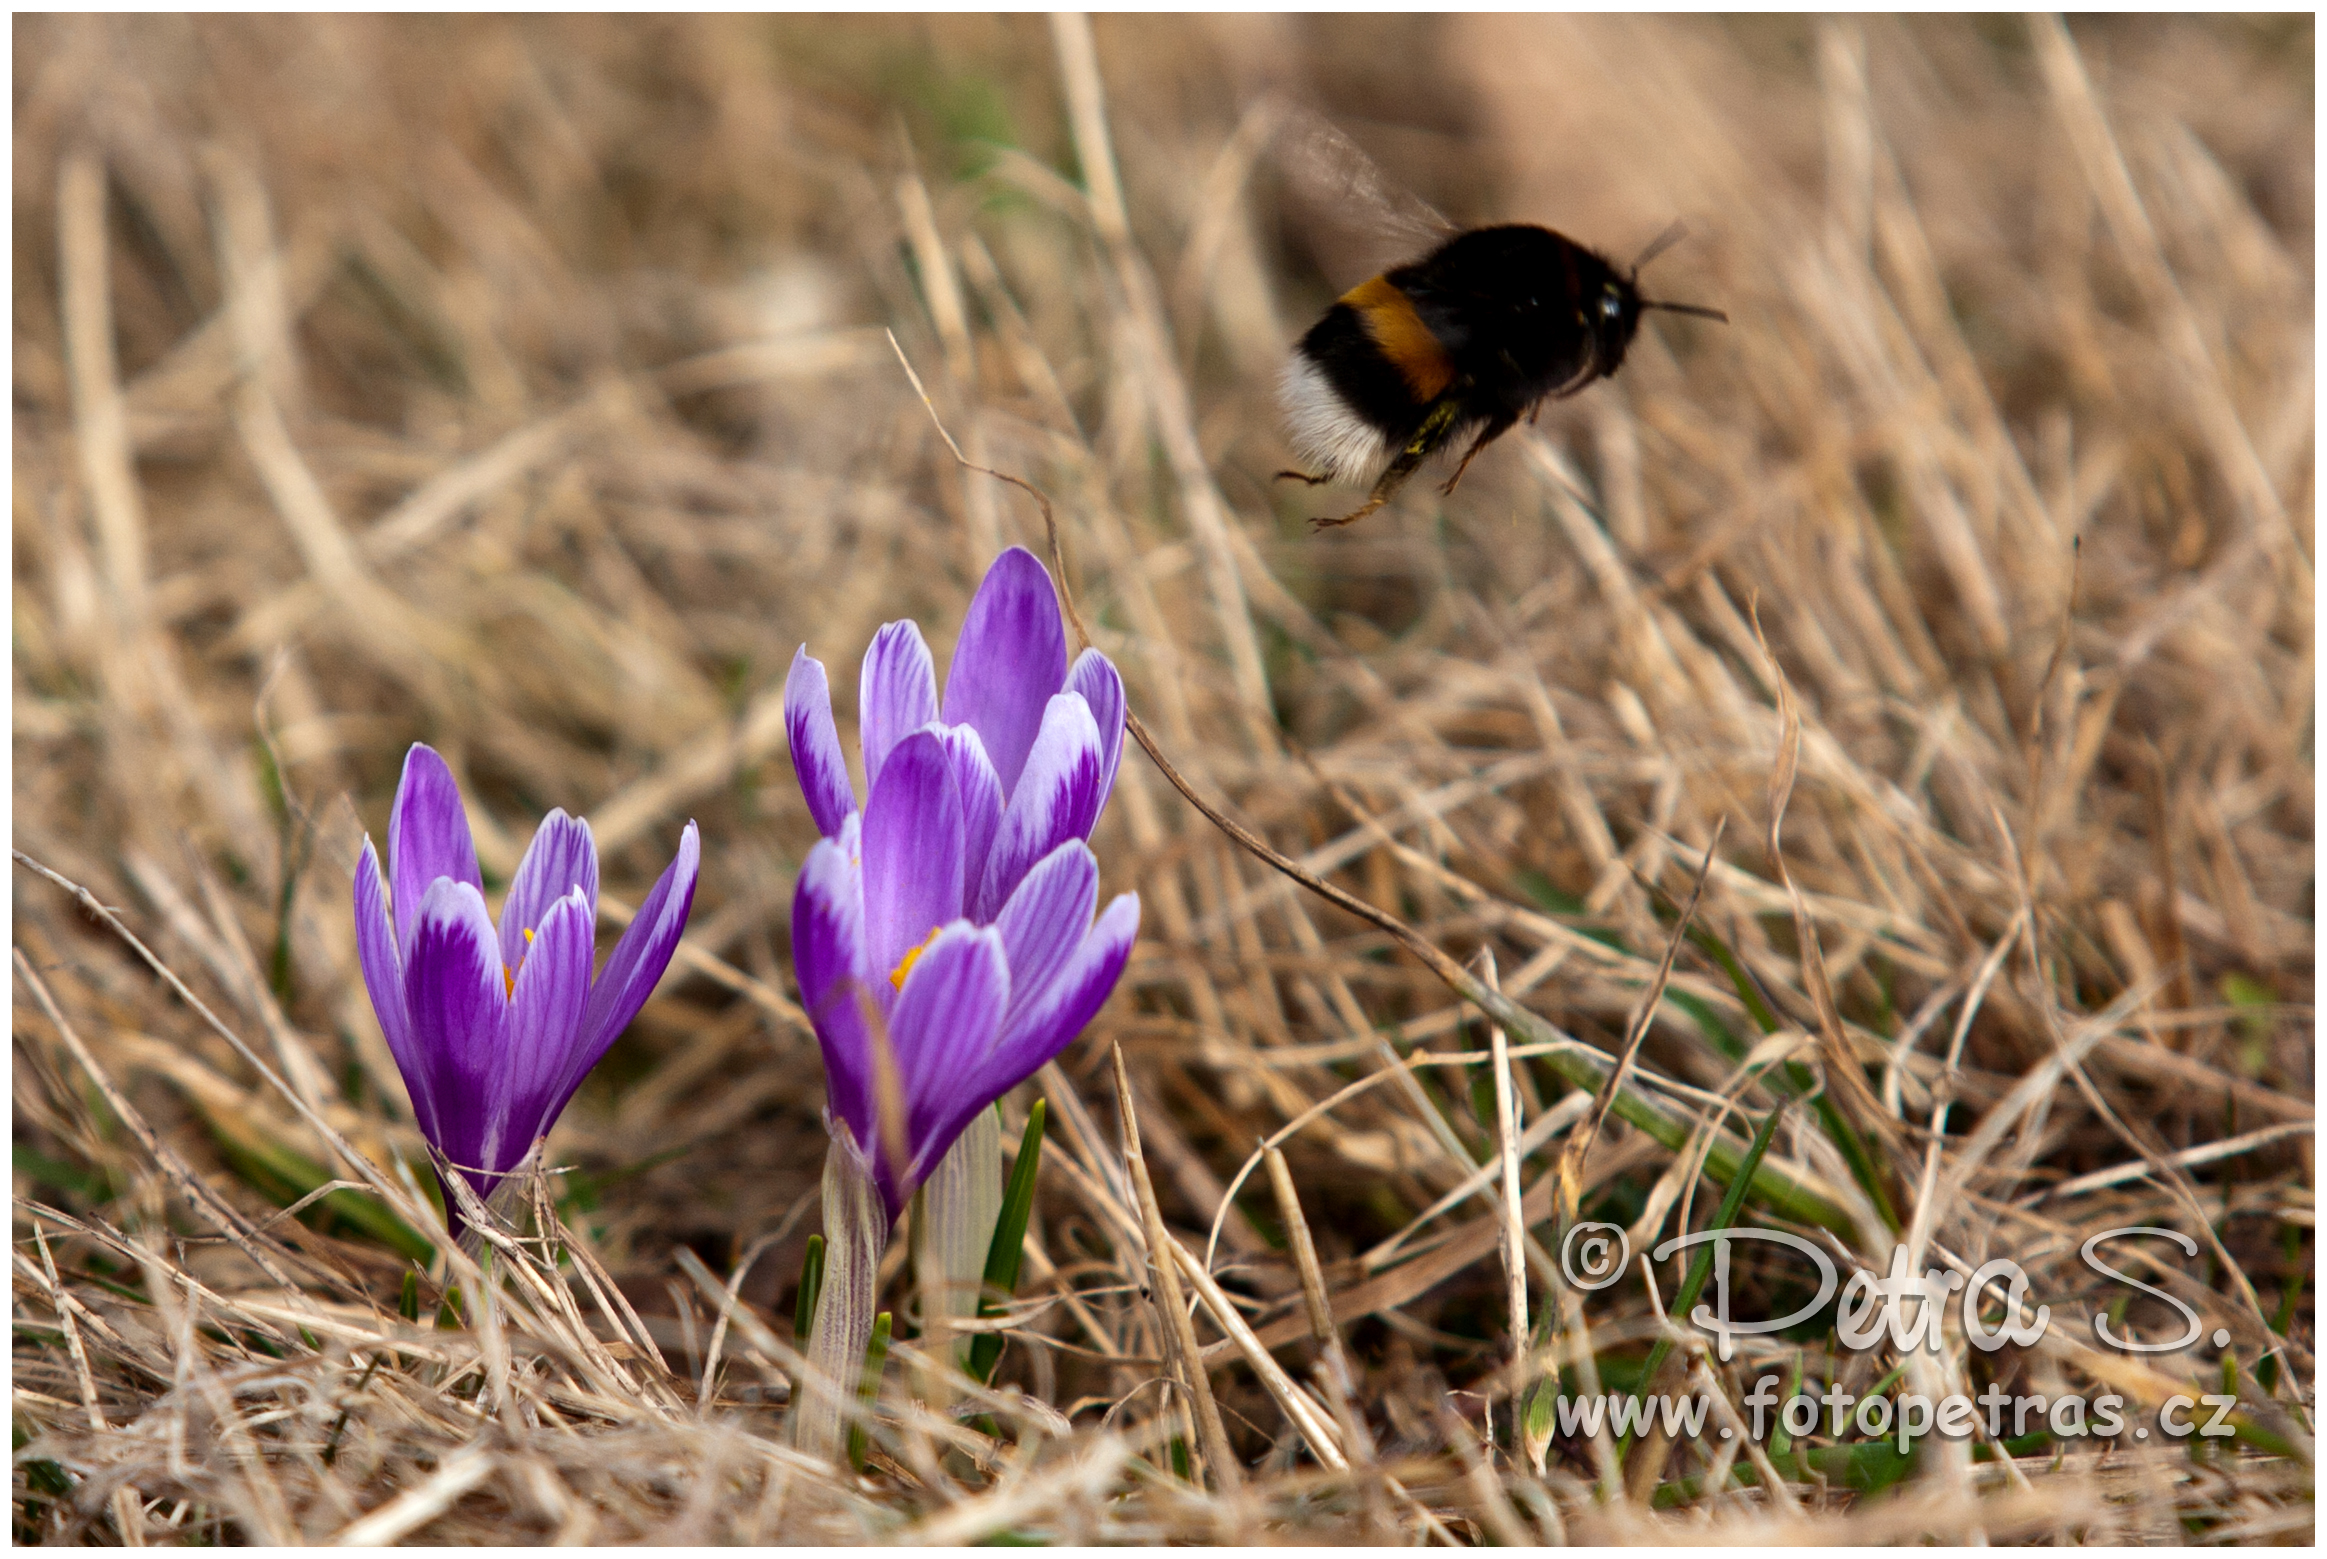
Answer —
1909 1417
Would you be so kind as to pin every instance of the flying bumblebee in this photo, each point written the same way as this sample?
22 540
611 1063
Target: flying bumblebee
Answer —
1461 342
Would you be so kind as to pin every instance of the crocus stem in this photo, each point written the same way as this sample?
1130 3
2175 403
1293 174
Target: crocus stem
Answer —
856 1231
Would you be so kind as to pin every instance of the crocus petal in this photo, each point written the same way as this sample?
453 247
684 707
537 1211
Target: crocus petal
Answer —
912 851
1046 920
428 838
636 963
945 1022
828 957
981 793
1043 1028
561 859
1011 658
384 979
896 695
455 999
816 754
1057 799
545 1018
1095 677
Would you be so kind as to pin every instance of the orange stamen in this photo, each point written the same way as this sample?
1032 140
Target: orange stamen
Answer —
509 975
905 964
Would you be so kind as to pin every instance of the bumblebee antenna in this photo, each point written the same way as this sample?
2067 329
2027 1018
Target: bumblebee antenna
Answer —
1660 243
1697 309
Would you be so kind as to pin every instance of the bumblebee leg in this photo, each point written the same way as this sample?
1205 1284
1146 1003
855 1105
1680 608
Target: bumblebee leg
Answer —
1384 491
1301 476
1493 431
1425 443
1408 462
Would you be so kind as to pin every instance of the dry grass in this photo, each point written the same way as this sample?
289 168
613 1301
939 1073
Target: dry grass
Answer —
520 386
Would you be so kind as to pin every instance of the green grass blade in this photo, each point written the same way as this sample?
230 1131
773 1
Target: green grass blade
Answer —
1794 1076
1009 1246
1701 1267
1771 1187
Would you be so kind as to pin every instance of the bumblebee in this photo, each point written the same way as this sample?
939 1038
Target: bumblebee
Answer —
1462 342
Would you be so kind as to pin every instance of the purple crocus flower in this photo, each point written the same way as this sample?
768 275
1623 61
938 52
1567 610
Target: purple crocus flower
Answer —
943 933
495 1027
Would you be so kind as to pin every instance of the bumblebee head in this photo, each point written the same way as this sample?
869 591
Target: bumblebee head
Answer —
1621 298
1613 317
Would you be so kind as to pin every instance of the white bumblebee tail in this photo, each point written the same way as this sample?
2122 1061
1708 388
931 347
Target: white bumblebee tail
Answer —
1331 437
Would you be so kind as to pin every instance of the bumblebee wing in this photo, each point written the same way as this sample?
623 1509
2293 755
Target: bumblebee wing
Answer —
1366 219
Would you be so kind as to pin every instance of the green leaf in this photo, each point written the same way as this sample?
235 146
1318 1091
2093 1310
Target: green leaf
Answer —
1009 1246
1536 1426
339 1427
1864 1467
1748 989
285 1176
869 1388
2253 1000
1779 1440
40 1169
1559 901
811 1286
1709 1024
582 1191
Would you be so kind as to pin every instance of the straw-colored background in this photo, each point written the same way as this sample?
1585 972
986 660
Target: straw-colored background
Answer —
521 387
